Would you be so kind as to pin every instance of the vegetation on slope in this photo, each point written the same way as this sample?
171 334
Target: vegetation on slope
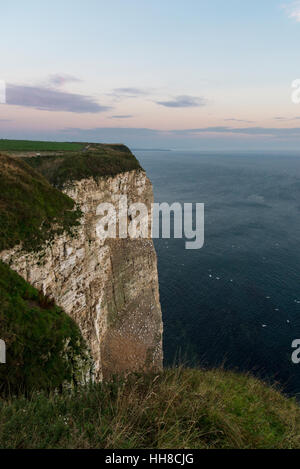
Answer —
177 409
31 210
45 348
32 146
97 161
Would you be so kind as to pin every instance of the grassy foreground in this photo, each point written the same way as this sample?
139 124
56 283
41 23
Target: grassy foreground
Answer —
176 409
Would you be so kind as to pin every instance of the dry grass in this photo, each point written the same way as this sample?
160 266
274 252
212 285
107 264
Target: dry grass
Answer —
179 408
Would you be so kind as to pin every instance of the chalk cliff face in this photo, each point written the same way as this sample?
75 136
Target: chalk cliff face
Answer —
109 287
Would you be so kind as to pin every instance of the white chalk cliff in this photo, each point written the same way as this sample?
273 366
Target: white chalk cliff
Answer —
109 287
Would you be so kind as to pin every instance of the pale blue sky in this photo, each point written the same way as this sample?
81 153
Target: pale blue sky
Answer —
148 72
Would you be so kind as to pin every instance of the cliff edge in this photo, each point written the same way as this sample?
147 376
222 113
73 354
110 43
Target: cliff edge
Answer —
109 287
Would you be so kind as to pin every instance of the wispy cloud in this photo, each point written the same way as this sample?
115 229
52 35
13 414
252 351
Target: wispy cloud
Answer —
222 130
62 79
113 132
128 92
183 101
280 118
293 10
124 116
263 131
48 99
239 120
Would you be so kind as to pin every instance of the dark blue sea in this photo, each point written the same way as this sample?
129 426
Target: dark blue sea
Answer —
235 302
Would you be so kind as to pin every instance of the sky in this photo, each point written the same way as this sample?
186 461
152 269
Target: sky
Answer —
192 74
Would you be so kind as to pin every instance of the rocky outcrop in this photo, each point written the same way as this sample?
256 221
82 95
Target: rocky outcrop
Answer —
109 287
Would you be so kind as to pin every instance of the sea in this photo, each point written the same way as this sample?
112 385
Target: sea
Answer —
234 303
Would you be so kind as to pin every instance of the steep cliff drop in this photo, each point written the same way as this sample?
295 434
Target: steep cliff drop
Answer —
109 287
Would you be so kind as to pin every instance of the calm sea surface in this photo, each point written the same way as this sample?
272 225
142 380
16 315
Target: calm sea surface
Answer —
235 302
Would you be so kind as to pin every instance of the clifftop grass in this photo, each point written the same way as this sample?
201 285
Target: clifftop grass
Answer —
31 210
28 145
97 160
187 409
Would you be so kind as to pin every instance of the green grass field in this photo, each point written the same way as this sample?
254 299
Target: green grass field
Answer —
28 145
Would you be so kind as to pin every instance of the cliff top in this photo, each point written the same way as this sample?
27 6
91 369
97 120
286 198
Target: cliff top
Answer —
32 211
63 162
